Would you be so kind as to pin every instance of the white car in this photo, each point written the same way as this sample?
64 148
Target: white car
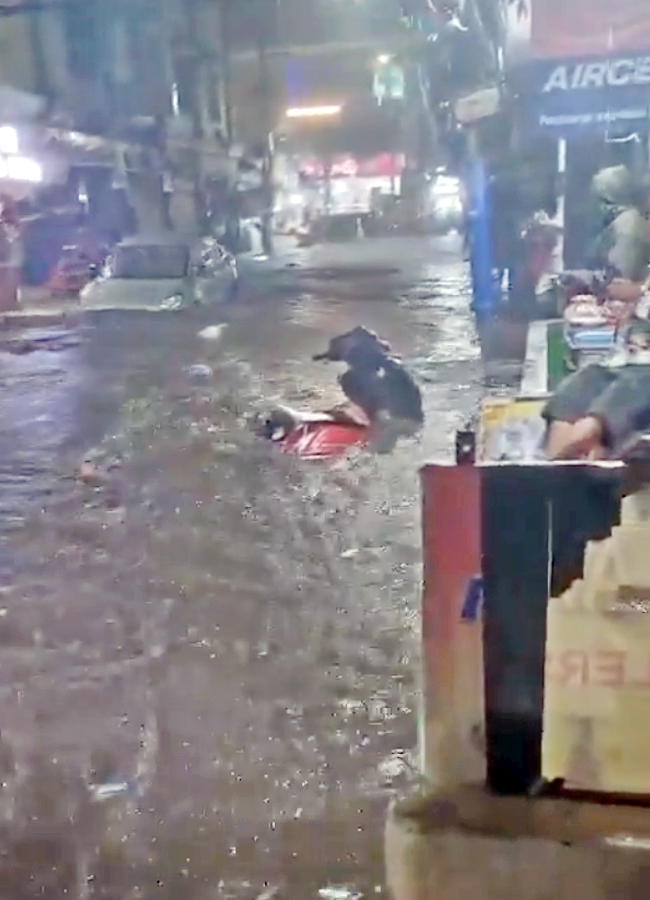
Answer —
162 273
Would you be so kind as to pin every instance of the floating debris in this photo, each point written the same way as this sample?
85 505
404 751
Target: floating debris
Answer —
199 373
339 892
213 332
269 893
350 554
103 792
89 473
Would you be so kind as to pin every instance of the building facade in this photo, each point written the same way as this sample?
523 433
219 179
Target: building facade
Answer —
131 87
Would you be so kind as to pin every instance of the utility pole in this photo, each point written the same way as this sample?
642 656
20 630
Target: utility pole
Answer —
225 68
267 27
38 55
193 50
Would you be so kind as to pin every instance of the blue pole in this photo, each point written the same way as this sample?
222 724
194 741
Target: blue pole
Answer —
481 264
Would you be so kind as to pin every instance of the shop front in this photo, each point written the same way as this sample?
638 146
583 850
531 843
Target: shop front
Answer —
582 83
22 173
352 188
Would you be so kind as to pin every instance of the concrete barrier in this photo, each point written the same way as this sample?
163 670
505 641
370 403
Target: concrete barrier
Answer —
469 845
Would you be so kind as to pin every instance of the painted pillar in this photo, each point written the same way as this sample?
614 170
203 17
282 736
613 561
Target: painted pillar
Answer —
557 265
452 690
481 262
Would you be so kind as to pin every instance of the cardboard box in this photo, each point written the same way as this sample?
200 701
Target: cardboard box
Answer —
597 680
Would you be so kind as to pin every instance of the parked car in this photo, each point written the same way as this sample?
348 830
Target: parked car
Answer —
163 272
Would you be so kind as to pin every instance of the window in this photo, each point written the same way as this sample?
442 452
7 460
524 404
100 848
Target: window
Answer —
150 261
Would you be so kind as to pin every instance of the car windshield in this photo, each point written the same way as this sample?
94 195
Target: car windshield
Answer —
150 261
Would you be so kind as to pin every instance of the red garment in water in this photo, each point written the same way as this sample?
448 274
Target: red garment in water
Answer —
325 440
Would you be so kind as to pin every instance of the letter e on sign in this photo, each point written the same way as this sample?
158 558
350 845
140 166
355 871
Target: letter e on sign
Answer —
642 74
608 668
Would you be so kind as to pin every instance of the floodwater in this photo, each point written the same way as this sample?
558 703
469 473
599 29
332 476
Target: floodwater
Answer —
208 652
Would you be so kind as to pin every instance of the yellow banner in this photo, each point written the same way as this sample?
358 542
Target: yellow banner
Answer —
511 431
597 701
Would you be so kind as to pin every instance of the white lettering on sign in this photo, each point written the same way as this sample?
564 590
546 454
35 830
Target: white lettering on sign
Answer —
581 119
615 73
620 72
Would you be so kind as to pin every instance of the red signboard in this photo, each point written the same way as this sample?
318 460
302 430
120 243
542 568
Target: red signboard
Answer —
344 167
584 28
384 165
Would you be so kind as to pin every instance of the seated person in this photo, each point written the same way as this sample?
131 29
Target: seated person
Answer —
378 384
597 409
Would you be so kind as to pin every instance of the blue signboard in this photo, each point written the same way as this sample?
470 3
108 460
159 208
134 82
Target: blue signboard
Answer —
578 95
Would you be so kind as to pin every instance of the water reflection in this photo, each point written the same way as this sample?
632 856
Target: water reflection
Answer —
206 652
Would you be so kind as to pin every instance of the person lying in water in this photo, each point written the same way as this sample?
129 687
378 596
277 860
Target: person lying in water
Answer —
377 384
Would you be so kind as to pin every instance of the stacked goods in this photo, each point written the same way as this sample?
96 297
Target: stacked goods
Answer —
588 324
597 683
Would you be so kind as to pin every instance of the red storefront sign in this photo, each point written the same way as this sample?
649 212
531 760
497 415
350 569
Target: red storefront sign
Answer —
583 28
383 165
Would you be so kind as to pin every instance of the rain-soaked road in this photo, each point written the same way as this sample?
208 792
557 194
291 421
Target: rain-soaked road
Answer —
207 658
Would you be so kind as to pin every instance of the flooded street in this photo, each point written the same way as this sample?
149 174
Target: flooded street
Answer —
208 652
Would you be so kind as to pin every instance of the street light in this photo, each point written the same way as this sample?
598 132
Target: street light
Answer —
313 112
384 58
8 139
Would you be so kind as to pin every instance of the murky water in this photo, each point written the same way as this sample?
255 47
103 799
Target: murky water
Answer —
208 652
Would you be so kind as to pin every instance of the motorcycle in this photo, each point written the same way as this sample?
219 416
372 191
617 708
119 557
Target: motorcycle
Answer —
316 435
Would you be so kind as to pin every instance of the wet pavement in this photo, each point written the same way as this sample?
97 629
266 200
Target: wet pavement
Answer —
208 652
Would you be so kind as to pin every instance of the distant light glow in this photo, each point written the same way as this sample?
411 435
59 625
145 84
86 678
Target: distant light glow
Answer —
384 58
8 139
448 204
176 100
20 168
446 186
309 112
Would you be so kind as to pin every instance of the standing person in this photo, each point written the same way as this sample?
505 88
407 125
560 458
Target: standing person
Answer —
232 209
505 212
621 241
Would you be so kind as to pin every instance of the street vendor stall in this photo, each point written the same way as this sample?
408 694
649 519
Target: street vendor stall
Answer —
536 593
585 86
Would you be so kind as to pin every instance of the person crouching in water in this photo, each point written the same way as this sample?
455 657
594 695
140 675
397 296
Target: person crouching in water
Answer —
378 385
597 410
